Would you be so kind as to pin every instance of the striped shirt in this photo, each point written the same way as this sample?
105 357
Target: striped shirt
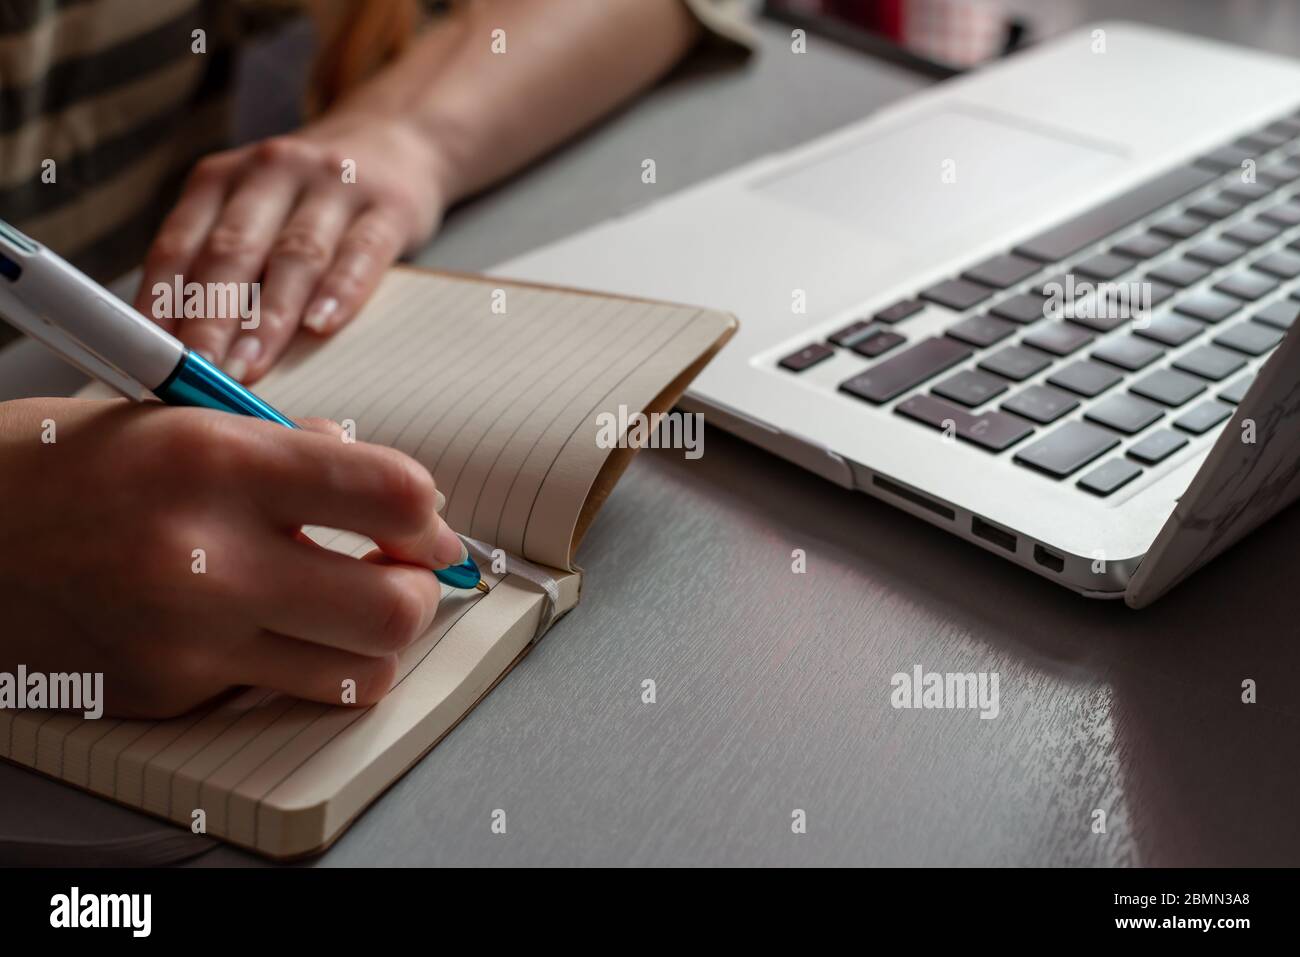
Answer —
106 104
104 107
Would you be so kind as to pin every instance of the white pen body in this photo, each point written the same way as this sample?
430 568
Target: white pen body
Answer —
60 306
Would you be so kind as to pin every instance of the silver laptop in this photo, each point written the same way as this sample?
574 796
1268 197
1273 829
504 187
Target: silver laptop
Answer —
1044 306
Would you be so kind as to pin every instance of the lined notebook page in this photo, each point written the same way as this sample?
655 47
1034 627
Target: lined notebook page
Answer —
500 406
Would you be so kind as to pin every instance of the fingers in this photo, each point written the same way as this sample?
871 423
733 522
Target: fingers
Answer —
311 671
371 244
235 253
278 214
299 257
366 607
323 426
183 233
312 478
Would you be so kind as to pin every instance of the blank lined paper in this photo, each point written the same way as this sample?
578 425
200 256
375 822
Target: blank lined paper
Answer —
499 406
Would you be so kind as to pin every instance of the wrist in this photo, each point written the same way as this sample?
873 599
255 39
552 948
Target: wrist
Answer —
416 159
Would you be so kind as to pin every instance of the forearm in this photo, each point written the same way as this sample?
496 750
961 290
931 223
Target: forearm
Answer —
486 113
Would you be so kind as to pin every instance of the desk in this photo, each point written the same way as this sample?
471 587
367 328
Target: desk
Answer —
773 688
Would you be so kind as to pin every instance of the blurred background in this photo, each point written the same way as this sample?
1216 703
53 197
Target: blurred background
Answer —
948 35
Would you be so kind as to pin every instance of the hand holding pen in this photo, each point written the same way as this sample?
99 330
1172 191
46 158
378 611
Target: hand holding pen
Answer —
85 324
181 568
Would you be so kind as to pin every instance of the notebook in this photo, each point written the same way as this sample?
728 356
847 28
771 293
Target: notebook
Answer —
498 388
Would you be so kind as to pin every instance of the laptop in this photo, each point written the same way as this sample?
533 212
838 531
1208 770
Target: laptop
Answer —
1043 306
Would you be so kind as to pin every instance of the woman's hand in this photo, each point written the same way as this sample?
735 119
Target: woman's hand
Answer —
100 568
315 217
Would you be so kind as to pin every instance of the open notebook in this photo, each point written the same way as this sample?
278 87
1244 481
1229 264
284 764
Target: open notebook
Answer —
502 407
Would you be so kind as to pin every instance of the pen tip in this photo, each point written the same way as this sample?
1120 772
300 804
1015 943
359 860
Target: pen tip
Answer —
482 586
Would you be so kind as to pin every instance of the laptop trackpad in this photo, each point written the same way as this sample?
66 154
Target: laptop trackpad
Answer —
942 173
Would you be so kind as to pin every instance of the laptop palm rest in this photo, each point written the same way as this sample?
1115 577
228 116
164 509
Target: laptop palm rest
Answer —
943 173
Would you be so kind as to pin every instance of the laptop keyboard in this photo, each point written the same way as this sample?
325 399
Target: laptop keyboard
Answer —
1059 308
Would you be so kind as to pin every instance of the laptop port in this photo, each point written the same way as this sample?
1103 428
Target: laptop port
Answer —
1049 559
991 533
916 498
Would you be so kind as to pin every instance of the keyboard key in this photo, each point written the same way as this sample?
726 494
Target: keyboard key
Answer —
981 331
1157 446
1247 193
970 387
1118 304
1040 403
1252 338
1061 306
1253 232
1023 308
957 294
1064 293
1285 215
1216 207
1247 284
1058 338
1158 291
1225 158
878 343
1104 266
1016 362
1210 362
991 430
1002 271
1208 306
1217 252
1067 448
899 311
1168 387
1282 264
1203 417
852 333
1180 273
1100 318
1128 352
1107 478
1278 173
1226 197
1170 329
1237 391
1125 413
1279 315
1099 222
1085 378
1181 226
890 378
807 357
1286 126
1262 141
1142 246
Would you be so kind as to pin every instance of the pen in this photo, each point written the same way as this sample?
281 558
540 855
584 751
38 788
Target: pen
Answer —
81 321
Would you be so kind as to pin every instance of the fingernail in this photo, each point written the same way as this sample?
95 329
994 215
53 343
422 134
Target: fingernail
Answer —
448 549
440 502
320 314
242 355
206 355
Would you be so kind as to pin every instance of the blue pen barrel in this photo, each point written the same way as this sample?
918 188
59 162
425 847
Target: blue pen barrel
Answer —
197 382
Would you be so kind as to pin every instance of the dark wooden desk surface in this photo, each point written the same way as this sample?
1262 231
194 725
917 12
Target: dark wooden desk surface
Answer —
773 688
